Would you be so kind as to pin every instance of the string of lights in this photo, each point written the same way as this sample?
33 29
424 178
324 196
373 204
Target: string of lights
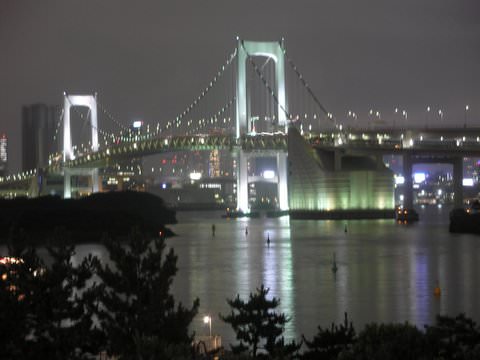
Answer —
307 87
178 120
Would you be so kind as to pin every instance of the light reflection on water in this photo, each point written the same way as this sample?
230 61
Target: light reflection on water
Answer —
386 272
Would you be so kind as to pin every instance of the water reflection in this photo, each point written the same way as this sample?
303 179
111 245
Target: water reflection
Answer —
386 272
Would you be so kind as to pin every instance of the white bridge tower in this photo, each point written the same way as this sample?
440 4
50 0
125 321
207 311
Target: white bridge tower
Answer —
89 101
273 50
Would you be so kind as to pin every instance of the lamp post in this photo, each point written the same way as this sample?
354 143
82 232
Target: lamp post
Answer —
353 115
405 116
466 111
208 320
427 116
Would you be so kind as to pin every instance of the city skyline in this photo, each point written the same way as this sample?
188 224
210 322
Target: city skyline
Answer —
148 62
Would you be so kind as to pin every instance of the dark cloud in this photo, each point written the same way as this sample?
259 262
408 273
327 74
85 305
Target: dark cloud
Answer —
149 59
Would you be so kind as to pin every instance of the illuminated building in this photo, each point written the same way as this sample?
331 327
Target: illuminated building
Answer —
3 155
38 135
214 164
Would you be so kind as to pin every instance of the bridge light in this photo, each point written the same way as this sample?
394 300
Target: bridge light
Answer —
195 176
399 180
268 174
419 177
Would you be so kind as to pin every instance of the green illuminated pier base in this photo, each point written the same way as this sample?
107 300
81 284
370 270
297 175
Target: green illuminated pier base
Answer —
331 184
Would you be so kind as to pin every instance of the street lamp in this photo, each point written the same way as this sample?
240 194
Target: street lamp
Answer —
427 116
466 111
353 115
207 319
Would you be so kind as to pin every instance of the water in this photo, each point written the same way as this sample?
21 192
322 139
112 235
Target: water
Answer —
386 272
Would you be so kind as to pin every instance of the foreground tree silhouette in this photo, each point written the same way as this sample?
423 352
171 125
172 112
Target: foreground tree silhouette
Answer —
454 337
42 308
258 326
388 342
139 316
327 344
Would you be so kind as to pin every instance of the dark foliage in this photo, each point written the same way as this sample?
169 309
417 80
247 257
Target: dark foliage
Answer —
454 338
44 314
137 307
388 342
86 218
328 343
258 327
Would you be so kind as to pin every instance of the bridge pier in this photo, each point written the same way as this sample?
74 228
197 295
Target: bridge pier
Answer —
68 173
458 182
282 187
242 181
408 184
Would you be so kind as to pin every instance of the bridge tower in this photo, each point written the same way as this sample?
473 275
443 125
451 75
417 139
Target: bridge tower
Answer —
89 101
273 50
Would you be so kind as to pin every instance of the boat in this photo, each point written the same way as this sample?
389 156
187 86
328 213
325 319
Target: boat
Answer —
405 215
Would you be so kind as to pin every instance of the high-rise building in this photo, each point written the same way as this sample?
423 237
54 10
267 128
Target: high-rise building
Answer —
38 135
3 155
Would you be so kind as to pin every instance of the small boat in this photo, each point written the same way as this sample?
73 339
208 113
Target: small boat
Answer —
406 215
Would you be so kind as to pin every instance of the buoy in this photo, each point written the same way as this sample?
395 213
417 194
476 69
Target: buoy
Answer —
334 265
268 239
437 292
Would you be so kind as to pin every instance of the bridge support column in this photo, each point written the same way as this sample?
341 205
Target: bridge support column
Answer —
68 173
408 185
282 180
95 187
67 184
337 160
458 182
242 181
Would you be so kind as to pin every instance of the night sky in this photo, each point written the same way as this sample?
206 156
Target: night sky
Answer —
149 59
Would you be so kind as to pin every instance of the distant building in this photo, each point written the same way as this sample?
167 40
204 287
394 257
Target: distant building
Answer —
38 135
3 155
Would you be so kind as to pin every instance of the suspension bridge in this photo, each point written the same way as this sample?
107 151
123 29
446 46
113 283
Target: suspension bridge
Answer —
245 108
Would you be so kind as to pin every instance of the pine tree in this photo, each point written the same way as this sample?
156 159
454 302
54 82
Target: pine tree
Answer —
52 308
257 326
327 344
137 305
14 296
